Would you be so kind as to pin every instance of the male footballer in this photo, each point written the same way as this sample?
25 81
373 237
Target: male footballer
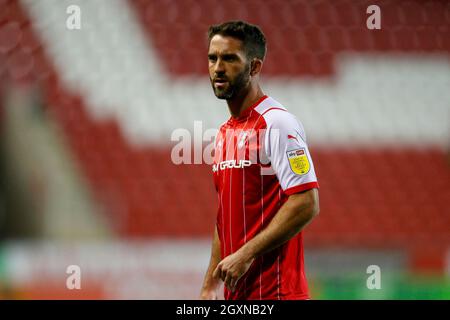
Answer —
264 176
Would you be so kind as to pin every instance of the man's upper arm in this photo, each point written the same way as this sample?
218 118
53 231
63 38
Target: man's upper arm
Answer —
288 152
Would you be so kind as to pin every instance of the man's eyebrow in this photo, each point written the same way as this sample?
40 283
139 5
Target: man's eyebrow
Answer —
223 55
229 55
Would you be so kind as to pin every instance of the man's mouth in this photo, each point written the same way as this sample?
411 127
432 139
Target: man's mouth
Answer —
220 82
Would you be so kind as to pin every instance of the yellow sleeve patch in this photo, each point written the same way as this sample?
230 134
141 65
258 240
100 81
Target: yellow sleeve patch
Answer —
298 160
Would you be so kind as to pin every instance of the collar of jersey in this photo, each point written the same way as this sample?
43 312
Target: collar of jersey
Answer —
246 113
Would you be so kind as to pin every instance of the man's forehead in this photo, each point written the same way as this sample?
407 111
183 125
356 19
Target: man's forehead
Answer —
224 44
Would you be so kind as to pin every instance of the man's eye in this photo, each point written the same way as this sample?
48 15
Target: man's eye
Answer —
212 58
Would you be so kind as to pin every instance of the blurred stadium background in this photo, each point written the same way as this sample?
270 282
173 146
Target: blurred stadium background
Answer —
86 118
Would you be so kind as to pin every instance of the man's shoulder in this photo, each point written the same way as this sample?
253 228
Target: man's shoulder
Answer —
275 114
268 105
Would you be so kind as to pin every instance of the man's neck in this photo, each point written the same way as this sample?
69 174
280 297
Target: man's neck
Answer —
239 104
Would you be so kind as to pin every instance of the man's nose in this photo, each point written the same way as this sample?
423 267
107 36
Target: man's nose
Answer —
219 67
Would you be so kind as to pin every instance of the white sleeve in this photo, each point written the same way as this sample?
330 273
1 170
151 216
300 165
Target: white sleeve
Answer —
286 148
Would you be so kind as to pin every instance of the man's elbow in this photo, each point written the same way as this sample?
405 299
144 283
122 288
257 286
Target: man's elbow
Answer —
313 205
315 209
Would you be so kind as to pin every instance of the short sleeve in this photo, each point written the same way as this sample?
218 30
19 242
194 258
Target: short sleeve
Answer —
287 151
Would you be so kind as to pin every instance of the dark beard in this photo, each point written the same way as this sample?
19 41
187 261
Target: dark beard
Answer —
235 87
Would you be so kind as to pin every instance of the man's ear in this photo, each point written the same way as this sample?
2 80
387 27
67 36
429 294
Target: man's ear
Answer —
255 66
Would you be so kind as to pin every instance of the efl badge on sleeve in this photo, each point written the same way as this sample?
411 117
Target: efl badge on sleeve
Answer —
298 160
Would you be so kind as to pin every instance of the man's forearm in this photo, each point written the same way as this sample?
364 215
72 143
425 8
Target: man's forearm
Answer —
292 217
209 281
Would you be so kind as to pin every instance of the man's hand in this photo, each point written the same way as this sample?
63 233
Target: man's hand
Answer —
232 268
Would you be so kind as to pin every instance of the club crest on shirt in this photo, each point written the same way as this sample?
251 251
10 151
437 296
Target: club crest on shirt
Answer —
298 160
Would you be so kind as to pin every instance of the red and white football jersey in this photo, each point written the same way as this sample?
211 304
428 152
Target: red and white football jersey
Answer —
260 159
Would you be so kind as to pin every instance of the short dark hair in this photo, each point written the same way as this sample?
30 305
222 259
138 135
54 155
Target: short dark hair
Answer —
253 39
